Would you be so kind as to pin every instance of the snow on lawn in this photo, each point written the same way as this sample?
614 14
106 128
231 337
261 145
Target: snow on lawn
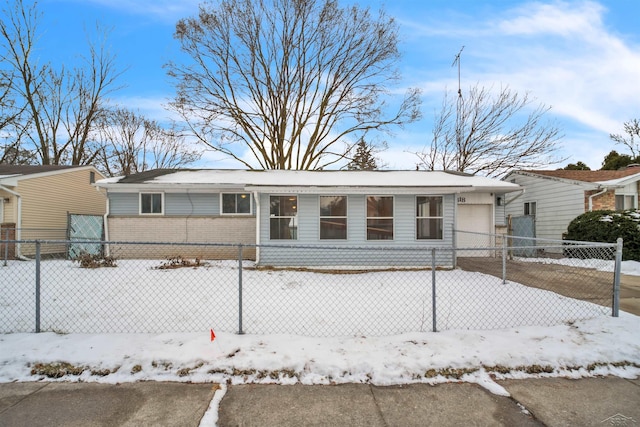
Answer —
137 297
378 344
600 346
631 268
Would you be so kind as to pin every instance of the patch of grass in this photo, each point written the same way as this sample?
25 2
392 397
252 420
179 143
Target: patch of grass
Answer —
501 369
56 369
186 371
180 262
456 373
136 369
163 364
104 372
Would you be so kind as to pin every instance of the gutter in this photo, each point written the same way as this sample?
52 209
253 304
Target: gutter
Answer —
18 222
591 197
105 224
256 197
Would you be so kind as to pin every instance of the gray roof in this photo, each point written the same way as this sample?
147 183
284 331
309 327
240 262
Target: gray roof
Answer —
307 181
31 169
147 175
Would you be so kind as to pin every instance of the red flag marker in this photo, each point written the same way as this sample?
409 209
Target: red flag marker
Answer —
213 335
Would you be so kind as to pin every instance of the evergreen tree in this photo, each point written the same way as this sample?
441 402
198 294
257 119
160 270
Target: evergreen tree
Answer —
615 161
363 158
580 166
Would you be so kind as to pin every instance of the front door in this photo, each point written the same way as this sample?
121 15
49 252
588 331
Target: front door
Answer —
474 229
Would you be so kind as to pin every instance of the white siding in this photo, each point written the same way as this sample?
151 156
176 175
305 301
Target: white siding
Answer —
557 203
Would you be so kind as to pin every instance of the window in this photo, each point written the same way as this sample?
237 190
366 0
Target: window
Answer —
624 202
333 217
283 222
151 203
429 219
236 203
530 208
379 218
92 177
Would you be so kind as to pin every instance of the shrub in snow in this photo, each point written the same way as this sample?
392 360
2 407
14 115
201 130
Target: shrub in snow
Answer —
607 226
87 260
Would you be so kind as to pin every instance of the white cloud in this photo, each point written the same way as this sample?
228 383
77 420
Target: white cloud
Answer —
163 9
564 53
559 18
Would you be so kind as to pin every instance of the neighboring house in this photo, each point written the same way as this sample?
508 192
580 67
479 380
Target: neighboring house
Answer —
35 200
553 198
281 208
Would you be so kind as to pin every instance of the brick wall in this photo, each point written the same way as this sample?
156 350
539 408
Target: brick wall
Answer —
228 230
7 232
605 201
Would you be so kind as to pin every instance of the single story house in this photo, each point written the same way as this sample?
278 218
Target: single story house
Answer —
35 201
553 198
281 210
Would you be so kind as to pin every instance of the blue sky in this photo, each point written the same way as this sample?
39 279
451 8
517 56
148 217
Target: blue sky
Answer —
580 57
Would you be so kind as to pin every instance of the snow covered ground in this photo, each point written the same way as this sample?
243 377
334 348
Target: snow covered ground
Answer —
138 297
602 345
631 268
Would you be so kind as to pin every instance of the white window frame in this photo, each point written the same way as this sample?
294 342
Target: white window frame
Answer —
345 217
293 218
527 207
418 218
222 212
624 201
392 218
151 213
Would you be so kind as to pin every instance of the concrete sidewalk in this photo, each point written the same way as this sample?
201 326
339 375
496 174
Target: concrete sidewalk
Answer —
548 402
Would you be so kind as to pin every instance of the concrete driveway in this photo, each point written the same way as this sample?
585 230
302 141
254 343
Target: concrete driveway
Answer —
575 282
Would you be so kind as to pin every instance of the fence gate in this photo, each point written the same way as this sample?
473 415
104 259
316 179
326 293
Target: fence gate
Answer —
523 226
83 228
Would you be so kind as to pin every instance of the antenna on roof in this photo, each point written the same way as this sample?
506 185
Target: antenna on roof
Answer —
456 61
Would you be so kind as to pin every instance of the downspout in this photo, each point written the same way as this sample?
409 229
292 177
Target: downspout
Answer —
256 197
591 197
18 221
507 202
105 222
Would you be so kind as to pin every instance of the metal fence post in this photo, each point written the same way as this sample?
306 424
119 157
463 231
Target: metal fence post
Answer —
616 279
454 242
504 259
6 247
240 331
433 289
37 286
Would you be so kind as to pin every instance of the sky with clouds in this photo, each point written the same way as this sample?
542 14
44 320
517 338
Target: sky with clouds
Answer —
580 57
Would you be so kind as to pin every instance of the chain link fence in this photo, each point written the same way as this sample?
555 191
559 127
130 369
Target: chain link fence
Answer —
157 288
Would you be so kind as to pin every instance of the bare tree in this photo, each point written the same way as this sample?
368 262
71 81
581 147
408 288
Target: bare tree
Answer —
287 80
61 105
632 138
134 144
490 134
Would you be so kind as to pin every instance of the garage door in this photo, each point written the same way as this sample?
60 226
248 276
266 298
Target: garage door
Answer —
477 219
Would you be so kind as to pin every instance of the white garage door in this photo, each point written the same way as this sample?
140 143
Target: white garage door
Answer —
477 219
